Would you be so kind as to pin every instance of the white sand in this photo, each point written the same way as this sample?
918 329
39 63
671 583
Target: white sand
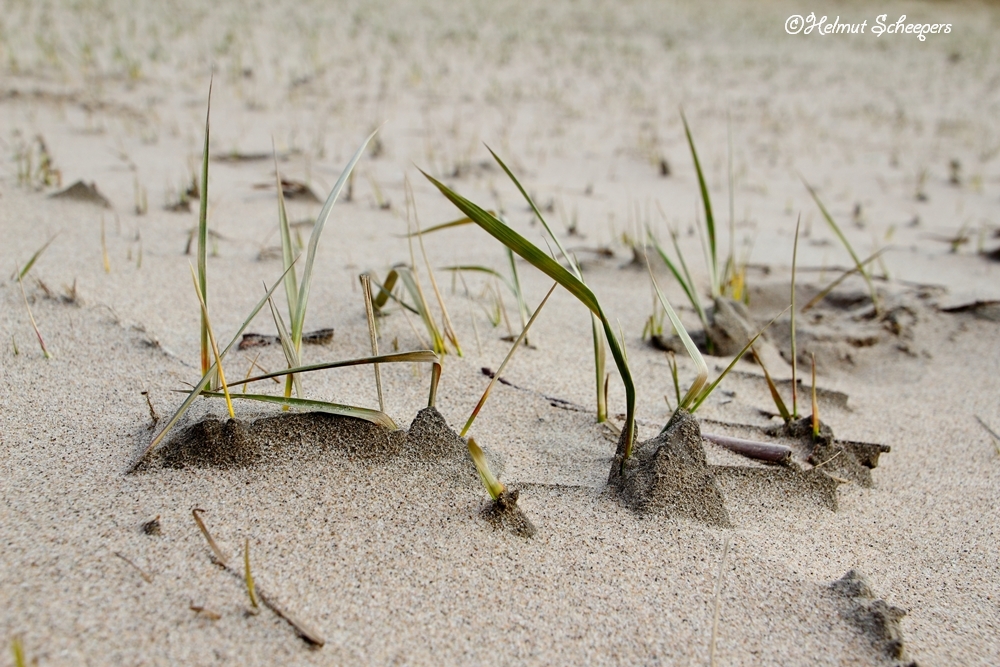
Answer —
391 562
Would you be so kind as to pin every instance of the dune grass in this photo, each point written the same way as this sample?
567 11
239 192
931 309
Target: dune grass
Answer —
570 281
20 273
493 485
31 318
202 256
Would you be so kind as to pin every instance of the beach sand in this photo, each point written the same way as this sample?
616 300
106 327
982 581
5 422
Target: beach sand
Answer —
381 548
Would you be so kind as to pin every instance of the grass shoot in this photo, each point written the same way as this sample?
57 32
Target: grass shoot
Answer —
202 282
493 485
779 403
795 361
17 647
496 376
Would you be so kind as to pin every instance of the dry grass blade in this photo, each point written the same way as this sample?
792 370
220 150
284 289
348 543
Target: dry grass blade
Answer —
202 384
506 360
996 437
19 275
248 575
366 288
775 395
31 317
841 278
301 628
815 403
493 486
215 347
219 556
843 239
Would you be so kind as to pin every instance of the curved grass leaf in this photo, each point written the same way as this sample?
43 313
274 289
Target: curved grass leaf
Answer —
493 486
367 414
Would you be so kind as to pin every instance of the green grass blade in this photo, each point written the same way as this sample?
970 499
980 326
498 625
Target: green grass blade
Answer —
288 347
493 486
506 360
34 258
847 245
220 374
686 284
287 249
367 414
692 349
420 302
775 395
550 267
298 319
415 356
538 213
707 202
203 235
206 378
706 392
600 361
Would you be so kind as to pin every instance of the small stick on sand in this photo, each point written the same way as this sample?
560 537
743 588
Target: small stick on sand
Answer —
148 578
718 594
756 450
304 630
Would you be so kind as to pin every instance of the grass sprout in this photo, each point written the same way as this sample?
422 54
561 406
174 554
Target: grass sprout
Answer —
34 325
815 403
795 361
779 403
493 485
496 376
713 261
405 274
573 284
859 265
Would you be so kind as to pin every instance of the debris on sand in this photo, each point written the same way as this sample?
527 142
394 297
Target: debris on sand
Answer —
85 192
876 618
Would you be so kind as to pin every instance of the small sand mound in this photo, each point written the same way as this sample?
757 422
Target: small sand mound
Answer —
843 459
876 618
669 474
85 192
504 514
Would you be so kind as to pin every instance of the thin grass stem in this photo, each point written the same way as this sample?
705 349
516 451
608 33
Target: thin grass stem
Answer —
215 346
366 288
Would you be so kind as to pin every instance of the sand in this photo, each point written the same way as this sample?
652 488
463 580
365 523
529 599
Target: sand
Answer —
387 555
